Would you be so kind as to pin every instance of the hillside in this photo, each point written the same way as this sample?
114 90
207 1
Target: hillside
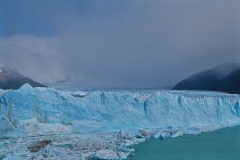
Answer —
10 78
224 78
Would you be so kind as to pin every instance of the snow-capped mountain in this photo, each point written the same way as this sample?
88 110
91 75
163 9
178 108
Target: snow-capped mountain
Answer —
10 78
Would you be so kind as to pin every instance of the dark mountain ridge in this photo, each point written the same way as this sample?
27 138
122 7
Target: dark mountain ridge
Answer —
10 78
231 83
224 78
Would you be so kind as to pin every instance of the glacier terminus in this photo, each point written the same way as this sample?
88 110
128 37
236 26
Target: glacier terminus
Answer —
101 124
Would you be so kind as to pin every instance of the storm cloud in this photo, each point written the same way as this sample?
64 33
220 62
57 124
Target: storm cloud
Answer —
133 44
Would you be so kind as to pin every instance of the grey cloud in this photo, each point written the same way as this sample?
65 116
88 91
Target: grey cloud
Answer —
143 44
63 81
18 51
35 55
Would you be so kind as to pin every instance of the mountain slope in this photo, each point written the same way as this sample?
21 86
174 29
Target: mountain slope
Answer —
10 78
224 77
226 68
206 80
231 83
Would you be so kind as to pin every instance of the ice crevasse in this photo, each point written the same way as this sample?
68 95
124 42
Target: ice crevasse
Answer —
44 111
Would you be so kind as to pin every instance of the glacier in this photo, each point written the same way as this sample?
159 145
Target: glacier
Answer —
43 111
75 117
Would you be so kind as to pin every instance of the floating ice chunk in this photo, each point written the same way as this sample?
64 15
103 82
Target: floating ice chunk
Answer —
124 155
158 135
106 154
139 136
177 134
88 155
125 134
138 140
128 142
123 148
192 130
166 134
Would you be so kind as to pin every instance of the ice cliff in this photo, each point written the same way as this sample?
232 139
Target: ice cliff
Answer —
44 111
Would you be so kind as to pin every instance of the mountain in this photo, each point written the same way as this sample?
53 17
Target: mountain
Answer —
224 77
226 68
10 78
231 83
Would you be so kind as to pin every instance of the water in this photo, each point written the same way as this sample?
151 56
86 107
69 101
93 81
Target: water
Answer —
222 144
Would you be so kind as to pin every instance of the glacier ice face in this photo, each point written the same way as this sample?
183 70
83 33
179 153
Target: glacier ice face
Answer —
45 111
2 91
28 113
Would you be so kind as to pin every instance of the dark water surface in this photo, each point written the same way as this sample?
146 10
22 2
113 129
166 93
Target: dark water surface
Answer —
222 144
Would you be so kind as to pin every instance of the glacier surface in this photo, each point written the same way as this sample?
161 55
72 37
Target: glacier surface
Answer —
45 111
102 124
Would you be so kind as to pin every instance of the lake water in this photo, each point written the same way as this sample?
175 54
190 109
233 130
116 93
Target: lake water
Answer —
222 144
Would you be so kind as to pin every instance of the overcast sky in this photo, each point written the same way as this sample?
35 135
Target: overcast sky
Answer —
119 43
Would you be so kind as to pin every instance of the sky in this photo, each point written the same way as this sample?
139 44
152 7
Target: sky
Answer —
118 43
